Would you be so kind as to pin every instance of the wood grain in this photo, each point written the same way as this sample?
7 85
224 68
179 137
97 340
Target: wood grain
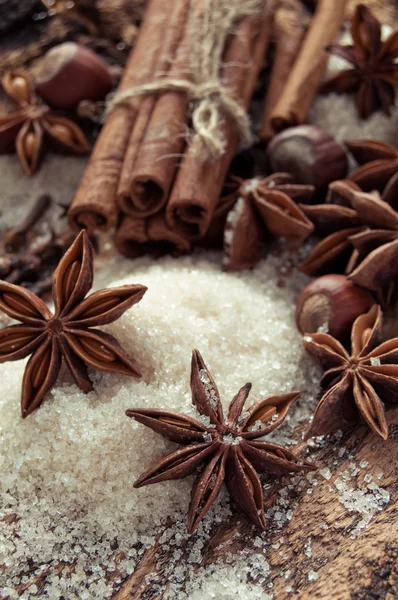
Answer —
348 566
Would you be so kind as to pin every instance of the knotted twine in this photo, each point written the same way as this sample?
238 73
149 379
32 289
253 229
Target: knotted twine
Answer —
209 98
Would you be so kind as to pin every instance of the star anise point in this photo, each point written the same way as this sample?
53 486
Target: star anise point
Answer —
374 72
70 332
33 123
228 448
357 384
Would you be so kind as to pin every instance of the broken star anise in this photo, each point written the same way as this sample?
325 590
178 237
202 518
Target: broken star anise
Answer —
377 245
26 130
374 72
357 384
378 170
69 333
335 221
226 447
263 207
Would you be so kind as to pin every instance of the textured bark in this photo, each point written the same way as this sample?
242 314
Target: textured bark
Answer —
348 568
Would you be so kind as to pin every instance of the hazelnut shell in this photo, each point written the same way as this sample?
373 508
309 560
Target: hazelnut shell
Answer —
332 303
310 154
70 73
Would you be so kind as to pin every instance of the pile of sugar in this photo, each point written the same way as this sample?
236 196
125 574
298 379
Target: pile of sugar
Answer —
67 471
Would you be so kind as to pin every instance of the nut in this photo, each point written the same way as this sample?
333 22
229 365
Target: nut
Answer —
310 154
70 73
331 304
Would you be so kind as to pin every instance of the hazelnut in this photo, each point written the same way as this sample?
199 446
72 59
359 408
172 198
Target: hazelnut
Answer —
70 73
331 304
310 154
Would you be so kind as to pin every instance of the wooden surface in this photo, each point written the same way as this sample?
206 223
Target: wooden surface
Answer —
349 567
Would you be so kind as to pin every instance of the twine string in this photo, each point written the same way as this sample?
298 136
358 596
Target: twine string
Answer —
209 98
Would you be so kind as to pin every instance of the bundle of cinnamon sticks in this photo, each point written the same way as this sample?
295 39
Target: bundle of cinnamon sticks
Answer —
144 176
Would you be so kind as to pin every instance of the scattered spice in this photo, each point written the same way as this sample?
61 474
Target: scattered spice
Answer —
31 250
374 72
263 206
33 124
378 170
357 384
69 332
225 446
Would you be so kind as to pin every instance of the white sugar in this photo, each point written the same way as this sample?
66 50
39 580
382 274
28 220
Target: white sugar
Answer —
375 362
231 439
69 468
366 500
326 473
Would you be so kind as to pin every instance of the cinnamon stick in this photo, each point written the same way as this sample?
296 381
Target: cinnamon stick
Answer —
131 236
148 170
94 205
310 65
289 27
136 236
198 184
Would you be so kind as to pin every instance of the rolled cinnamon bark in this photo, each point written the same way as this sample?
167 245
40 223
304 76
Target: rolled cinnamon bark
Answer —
290 26
150 161
136 236
131 236
214 236
198 184
159 231
94 205
309 67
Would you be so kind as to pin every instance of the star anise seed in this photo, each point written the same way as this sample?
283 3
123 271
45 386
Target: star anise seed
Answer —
26 130
70 332
357 384
374 72
226 447
263 207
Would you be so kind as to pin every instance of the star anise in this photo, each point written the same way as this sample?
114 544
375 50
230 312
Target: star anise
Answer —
374 72
68 333
227 448
26 130
357 384
378 170
377 245
263 207
337 220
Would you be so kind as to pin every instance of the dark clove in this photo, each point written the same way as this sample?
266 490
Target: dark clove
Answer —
16 238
